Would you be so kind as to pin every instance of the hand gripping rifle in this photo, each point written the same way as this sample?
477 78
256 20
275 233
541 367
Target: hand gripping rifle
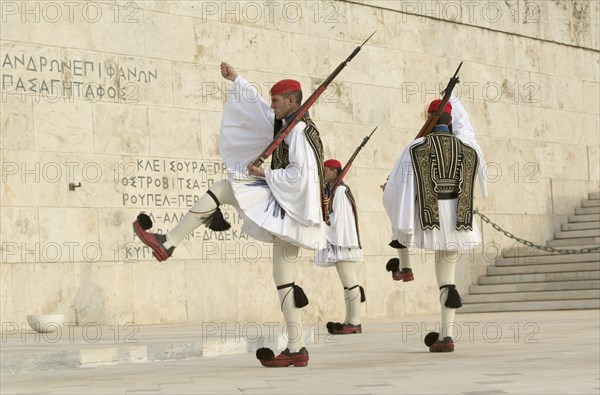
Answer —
284 131
340 177
432 120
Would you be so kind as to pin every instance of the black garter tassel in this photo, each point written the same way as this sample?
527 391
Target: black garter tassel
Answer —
300 298
363 298
396 244
216 221
453 299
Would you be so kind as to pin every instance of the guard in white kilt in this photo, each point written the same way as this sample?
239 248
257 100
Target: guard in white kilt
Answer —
280 205
343 249
429 199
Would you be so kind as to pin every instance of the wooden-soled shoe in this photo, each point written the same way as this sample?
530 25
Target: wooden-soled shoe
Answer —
446 345
347 329
286 358
404 275
153 240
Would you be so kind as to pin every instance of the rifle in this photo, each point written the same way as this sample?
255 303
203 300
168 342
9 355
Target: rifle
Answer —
345 169
285 130
432 119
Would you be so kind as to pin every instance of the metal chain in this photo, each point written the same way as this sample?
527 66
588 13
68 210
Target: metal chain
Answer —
530 244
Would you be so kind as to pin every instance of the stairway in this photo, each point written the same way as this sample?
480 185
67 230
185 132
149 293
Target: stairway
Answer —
525 280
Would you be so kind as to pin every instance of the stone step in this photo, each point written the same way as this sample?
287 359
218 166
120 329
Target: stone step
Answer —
531 296
579 242
546 258
584 218
587 210
540 277
590 203
571 234
581 226
543 268
531 287
531 252
594 195
531 306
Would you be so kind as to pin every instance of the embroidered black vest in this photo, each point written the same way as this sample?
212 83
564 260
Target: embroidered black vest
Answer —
445 168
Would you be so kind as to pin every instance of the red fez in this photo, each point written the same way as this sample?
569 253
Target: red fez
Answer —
285 86
333 163
436 103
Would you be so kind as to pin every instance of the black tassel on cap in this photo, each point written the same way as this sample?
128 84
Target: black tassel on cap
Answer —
300 298
393 265
453 300
431 338
145 221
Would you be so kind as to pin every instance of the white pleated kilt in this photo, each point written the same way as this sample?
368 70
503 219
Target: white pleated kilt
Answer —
263 220
444 238
330 255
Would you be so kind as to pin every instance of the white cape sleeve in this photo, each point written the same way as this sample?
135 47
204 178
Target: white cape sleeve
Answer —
463 129
342 232
297 188
246 126
400 194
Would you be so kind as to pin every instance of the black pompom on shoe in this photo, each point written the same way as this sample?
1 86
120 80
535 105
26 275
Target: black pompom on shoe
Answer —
265 354
393 265
145 221
431 338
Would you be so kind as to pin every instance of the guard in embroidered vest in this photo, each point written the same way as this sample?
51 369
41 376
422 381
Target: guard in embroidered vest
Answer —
429 199
279 205
343 250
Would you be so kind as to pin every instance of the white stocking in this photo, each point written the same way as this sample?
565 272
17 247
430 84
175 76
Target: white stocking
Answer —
404 258
285 257
347 272
445 269
203 207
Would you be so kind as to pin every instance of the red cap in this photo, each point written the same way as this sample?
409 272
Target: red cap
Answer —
333 163
436 103
285 86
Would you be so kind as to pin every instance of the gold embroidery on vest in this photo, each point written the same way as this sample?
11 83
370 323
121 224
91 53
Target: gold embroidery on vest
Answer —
445 168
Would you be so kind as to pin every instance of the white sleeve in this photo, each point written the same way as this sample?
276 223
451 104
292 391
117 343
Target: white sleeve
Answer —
342 232
246 126
463 129
297 188
400 193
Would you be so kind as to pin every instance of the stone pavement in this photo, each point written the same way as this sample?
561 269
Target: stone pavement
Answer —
549 352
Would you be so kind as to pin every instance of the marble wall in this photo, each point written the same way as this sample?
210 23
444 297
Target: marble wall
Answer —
125 98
